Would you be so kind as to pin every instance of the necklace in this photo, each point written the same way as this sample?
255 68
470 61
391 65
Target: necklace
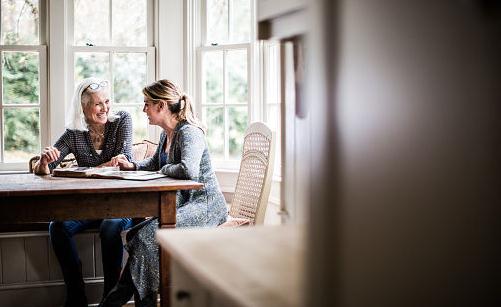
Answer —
97 135
97 130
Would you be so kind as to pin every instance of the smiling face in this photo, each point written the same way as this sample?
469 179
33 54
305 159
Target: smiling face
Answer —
159 114
97 107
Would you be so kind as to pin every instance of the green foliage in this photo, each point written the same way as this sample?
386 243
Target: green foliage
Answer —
21 85
238 124
22 129
20 77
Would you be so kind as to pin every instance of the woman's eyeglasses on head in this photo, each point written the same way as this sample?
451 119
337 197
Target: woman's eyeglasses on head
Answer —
94 86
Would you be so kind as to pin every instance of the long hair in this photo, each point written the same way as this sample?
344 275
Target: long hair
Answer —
177 101
75 117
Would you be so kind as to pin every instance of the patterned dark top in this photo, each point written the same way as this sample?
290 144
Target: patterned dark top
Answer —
189 159
117 140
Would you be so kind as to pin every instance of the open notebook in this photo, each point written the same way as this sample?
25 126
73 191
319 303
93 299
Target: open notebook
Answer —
105 173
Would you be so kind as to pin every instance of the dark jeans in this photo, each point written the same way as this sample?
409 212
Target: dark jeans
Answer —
61 236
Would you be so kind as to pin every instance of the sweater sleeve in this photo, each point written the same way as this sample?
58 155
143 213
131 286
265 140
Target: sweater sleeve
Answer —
124 136
191 142
63 145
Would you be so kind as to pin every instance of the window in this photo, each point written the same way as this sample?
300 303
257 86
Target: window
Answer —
225 57
23 99
237 79
271 95
113 40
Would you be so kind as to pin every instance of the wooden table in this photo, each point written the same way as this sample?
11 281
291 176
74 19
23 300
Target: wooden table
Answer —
238 267
31 198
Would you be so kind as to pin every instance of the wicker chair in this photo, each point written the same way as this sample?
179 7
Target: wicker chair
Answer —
140 151
250 200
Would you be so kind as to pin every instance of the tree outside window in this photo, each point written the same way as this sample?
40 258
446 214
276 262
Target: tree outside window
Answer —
21 102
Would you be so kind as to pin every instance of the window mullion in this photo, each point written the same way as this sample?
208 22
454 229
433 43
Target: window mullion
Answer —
225 109
230 19
110 21
110 73
203 23
1 108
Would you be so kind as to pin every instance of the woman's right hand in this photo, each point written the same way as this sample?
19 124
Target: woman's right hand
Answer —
123 163
49 155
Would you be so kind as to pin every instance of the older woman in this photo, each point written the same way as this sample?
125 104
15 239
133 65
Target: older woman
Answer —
182 153
95 136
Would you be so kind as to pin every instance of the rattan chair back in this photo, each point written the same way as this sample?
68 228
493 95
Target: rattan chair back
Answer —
254 178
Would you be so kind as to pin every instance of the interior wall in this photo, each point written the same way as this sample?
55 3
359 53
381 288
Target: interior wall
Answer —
412 218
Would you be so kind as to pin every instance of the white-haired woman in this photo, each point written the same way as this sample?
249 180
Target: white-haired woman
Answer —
95 136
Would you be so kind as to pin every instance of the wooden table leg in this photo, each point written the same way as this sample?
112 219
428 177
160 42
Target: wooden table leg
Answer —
167 219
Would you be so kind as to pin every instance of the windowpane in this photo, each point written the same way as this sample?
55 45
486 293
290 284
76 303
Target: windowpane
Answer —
92 22
272 83
91 64
129 22
129 73
20 22
240 21
214 120
213 76
20 77
21 134
236 65
238 123
217 21
139 121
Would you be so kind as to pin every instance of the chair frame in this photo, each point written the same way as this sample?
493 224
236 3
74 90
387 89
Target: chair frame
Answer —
261 129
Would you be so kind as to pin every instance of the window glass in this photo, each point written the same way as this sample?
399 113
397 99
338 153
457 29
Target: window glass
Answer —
129 77
91 64
91 22
129 22
213 77
237 126
217 21
139 122
214 120
21 133
236 61
240 21
20 22
20 77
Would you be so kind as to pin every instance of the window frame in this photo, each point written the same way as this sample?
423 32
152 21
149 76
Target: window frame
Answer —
42 105
149 50
197 44
166 61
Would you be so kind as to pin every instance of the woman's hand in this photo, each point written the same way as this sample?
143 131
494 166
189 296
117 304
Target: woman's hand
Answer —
48 155
122 162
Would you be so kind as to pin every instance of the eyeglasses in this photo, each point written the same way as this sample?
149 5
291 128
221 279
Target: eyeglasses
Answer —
95 86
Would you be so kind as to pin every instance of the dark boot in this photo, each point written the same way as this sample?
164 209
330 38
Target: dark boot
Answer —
122 292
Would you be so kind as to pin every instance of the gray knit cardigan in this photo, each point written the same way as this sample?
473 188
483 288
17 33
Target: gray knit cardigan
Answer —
189 159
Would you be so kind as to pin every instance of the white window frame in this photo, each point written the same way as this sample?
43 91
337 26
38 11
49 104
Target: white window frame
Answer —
164 60
41 49
149 50
265 48
195 44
